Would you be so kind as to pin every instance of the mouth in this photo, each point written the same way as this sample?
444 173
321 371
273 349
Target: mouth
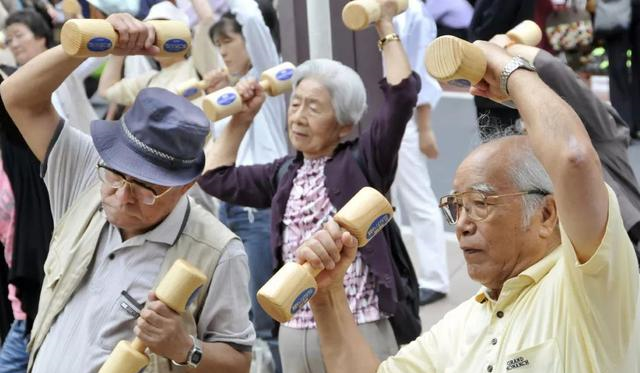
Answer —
298 134
469 251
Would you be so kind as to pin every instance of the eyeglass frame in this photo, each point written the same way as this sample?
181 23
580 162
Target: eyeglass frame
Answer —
124 181
452 221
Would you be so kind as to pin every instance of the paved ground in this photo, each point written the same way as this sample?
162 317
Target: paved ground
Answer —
454 125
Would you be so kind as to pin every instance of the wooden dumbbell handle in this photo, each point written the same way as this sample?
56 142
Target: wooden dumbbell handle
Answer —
449 58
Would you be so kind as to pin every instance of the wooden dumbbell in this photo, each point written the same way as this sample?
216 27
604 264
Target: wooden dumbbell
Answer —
225 102
359 14
294 284
449 58
177 289
191 89
96 37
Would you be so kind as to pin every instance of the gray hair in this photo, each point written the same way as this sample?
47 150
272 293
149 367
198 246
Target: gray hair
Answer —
527 174
348 96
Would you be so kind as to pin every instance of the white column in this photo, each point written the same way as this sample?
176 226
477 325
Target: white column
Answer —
319 23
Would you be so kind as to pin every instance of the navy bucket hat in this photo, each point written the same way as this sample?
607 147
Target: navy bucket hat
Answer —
159 140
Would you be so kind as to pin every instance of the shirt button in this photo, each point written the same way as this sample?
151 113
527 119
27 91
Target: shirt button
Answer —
494 341
499 314
111 256
490 368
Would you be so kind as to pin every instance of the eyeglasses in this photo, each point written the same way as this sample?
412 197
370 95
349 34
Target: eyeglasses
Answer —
475 203
116 180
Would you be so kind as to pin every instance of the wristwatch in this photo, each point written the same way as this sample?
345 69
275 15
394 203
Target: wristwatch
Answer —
516 63
195 355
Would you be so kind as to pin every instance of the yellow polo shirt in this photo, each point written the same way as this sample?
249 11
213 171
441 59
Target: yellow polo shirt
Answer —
556 316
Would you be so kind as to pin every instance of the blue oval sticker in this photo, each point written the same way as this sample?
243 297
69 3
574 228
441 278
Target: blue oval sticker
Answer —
284 74
302 299
99 44
174 45
190 92
377 225
226 99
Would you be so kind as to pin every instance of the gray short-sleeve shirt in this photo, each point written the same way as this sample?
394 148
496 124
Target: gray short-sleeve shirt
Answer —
104 308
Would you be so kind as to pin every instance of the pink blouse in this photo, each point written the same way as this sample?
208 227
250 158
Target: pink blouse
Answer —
308 208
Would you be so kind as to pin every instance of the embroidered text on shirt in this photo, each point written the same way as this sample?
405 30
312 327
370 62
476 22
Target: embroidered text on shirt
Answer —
518 362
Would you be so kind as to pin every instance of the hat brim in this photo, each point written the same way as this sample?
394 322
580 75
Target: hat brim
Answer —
111 144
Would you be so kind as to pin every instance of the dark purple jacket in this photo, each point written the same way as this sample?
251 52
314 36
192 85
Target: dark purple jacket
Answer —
257 185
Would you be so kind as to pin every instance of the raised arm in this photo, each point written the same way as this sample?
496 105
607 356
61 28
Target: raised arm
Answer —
27 93
111 74
562 145
260 46
27 97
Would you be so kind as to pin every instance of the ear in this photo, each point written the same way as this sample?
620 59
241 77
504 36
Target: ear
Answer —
549 213
345 131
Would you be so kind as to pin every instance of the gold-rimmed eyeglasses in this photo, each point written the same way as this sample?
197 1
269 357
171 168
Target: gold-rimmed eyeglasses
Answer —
147 194
475 203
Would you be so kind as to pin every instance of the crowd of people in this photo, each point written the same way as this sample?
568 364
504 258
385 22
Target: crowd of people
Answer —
96 205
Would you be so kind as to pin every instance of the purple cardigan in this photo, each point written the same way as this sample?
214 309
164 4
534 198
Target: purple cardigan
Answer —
257 185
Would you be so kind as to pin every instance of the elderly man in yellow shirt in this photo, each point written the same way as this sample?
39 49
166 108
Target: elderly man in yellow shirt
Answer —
540 230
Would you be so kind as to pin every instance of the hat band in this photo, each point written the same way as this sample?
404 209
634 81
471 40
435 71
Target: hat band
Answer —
149 150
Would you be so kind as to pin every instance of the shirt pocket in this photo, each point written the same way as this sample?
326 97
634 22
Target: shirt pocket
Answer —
120 320
543 358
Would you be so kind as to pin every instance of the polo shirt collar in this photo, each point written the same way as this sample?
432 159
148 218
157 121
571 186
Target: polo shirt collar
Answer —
169 230
532 274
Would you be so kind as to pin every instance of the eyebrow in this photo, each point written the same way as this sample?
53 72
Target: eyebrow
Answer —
478 187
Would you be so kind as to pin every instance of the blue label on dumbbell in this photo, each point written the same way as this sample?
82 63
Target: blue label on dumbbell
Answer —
284 74
190 92
193 296
174 45
377 225
226 99
99 44
460 83
302 299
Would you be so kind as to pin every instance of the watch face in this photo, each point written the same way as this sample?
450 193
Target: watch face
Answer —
196 357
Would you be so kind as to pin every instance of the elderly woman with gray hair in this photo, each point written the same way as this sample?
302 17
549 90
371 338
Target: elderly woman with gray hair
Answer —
305 190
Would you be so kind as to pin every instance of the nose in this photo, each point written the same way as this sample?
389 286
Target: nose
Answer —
464 225
125 194
295 115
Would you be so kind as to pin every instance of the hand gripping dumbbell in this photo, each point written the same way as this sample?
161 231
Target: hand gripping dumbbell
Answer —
227 101
449 58
177 290
358 14
96 37
294 284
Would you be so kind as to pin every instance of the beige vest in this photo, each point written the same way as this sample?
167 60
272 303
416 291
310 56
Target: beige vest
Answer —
73 245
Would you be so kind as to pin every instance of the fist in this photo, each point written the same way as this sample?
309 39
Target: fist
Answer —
134 36
489 86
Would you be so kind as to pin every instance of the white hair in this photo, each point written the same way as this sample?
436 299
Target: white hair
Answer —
348 96
526 172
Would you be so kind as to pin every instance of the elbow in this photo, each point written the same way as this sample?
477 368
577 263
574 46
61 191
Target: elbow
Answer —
580 158
7 91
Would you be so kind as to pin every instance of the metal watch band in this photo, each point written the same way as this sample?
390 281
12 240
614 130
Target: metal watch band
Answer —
516 63
194 356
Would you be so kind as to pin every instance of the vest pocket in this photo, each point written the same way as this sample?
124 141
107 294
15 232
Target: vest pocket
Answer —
543 357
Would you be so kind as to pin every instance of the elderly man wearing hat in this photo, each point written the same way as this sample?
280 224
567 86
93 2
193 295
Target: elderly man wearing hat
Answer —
122 218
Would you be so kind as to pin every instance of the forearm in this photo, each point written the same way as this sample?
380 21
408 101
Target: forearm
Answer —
27 97
31 86
111 74
562 145
394 57
203 10
224 150
343 347
220 357
423 118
